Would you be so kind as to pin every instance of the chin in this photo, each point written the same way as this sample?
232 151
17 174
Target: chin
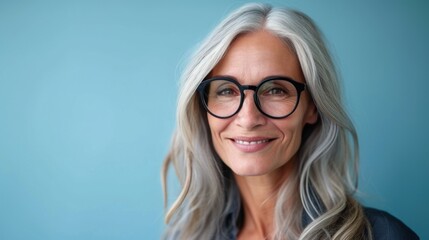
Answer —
249 171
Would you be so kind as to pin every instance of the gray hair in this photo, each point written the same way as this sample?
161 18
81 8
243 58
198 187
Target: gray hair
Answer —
327 174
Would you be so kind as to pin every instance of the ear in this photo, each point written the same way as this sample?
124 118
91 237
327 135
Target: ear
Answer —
312 114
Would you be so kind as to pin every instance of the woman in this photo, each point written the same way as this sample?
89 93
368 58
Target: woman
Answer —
263 147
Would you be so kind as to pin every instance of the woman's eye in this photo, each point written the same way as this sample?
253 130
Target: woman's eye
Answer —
226 92
276 91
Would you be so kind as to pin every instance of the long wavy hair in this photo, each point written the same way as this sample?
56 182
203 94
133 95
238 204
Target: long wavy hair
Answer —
326 178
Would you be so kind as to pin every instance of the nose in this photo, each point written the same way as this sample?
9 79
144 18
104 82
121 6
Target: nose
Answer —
249 115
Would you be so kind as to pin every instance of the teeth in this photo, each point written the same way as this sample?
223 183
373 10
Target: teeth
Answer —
252 142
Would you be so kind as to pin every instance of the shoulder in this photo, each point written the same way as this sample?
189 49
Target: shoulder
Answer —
385 226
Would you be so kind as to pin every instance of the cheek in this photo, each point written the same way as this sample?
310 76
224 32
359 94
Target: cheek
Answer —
311 114
292 134
216 127
213 125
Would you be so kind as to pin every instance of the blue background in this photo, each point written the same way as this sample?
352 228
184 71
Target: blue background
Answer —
87 107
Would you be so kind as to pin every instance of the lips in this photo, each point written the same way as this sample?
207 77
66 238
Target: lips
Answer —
251 142
250 145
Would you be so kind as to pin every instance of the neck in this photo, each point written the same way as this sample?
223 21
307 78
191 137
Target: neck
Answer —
259 197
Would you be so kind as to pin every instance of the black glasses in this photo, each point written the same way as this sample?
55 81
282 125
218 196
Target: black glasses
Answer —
275 97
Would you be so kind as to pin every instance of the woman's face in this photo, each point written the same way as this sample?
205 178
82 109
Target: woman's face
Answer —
249 143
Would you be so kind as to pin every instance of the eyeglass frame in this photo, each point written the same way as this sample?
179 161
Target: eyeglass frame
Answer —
300 87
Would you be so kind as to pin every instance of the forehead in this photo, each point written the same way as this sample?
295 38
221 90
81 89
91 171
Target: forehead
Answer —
257 55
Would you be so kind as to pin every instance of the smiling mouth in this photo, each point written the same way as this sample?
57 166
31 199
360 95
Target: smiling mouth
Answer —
251 142
251 145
